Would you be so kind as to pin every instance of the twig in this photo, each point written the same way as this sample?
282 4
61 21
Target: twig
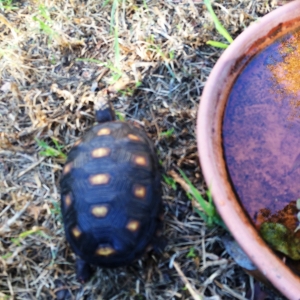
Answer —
181 181
185 186
229 290
192 291
31 167
5 227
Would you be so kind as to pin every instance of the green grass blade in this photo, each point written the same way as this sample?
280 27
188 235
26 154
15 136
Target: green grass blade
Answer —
209 213
170 181
196 194
117 48
217 44
44 12
202 215
218 24
112 15
57 145
120 116
49 151
29 232
23 235
105 3
44 27
191 253
167 133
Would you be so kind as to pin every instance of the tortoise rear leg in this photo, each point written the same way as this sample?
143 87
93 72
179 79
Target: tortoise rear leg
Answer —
159 241
83 270
159 244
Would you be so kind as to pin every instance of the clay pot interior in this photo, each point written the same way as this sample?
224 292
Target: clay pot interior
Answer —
239 92
261 143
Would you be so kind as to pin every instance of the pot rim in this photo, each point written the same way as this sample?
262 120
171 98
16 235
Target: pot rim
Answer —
209 142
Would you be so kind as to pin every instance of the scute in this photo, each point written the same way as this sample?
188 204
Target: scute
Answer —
122 189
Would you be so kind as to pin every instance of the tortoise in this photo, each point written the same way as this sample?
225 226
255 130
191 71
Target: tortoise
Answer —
111 195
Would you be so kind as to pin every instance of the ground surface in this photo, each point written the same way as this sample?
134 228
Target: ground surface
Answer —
160 64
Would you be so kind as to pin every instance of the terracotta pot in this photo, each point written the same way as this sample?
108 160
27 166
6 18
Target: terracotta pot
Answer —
209 129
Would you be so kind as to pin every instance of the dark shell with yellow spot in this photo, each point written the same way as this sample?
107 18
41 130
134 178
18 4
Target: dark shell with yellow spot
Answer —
111 195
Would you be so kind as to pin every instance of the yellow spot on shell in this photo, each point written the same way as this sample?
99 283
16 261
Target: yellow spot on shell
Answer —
133 137
76 232
68 200
99 179
100 211
105 251
141 161
139 191
67 168
133 225
103 131
100 152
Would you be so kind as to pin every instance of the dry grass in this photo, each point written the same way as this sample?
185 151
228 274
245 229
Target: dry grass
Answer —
46 92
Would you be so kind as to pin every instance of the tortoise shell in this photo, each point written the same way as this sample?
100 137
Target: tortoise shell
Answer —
111 195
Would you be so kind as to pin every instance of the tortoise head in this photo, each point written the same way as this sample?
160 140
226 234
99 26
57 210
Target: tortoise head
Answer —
103 108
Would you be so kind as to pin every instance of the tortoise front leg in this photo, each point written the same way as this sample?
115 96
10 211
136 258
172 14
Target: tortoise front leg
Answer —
83 270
